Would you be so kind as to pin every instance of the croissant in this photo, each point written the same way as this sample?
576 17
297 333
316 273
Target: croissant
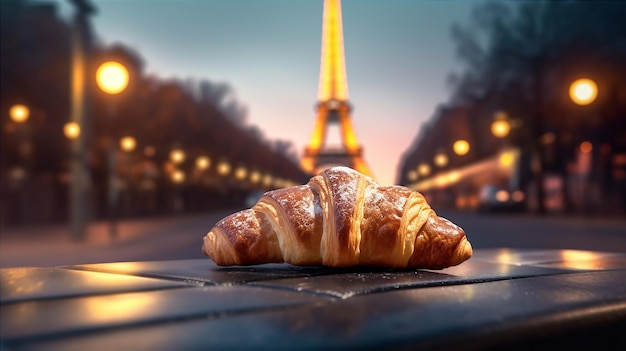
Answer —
340 218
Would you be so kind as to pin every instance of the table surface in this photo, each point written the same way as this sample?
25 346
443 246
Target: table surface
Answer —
511 298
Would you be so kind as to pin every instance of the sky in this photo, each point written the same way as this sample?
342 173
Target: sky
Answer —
399 54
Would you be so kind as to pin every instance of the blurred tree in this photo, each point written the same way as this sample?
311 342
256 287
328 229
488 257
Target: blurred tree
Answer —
203 119
528 52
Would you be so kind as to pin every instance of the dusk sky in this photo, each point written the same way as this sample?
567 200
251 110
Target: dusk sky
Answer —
399 54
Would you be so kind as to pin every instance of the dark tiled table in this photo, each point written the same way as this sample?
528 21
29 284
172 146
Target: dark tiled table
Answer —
501 298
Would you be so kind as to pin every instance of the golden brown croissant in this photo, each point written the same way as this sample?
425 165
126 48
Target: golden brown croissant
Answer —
341 218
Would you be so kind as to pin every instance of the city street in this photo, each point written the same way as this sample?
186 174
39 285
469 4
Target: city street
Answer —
180 237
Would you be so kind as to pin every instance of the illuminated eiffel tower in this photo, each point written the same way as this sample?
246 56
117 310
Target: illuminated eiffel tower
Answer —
333 106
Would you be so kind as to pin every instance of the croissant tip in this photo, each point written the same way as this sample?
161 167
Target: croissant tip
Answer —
463 251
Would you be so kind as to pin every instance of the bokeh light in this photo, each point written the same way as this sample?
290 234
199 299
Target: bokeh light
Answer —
112 77
19 113
583 91
461 147
71 130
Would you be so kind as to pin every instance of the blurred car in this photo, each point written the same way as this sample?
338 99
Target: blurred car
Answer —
493 198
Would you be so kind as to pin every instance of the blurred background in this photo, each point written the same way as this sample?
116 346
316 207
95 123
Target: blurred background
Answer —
114 112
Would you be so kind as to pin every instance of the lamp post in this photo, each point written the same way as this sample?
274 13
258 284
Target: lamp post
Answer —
18 114
79 115
112 78
582 92
127 144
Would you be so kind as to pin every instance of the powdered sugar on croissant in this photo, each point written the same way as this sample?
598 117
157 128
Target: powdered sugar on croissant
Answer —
341 218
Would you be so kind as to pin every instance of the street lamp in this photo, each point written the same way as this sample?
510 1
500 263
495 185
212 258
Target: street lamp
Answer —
255 177
178 176
240 173
71 130
267 180
177 156
19 113
500 127
128 143
223 168
203 163
461 147
583 91
423 169
441 159
112 78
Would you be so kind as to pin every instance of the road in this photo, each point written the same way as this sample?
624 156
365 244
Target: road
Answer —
181 238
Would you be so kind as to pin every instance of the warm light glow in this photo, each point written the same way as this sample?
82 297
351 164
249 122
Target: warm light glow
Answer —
240 173
279 183
333 83
19 113
223 168
583 91
178 176
177 156
506 159
255 177
128 143
500 128
586 147
412 175
517 196
441 160
112 77
267 180
423 169
203 163
461 147
149 151
502 195
71 130
492 164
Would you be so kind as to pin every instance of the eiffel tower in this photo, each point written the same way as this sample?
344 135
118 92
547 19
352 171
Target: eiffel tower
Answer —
333 106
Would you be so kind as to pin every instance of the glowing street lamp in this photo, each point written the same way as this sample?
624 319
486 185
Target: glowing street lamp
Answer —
441 159
240 173
255 177
19 113
178 176
203 163
423 169
500 127
223 168
177 156
112 77
461 147
583 91
128 143
71 130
